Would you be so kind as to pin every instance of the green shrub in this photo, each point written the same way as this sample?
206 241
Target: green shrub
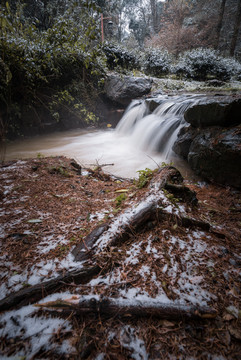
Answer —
201 64
117 56
144 177
48 72
157 62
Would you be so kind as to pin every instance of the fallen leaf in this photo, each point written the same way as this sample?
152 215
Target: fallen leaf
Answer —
236 333
34 221
228 317
167 323
234 292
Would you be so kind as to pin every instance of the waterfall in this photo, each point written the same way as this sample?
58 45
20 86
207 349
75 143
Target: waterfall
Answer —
157 131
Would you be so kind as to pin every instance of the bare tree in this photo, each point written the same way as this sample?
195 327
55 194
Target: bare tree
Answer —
236 29
220 21
173 35
154 15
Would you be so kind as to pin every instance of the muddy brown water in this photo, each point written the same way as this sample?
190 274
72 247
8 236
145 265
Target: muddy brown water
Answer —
94 147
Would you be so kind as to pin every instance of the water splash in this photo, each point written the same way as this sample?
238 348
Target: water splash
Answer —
156 132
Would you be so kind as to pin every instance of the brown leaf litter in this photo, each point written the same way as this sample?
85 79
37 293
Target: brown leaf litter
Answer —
48 207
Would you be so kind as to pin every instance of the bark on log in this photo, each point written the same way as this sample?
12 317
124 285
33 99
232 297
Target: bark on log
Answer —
36 292
167 174
123 308
82 251
192 222
182 192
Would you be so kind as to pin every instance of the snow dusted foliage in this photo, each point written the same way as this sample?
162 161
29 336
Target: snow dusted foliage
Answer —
119 56
204 63
157 61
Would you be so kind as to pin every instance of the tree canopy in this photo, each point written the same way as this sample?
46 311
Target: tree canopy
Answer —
53 56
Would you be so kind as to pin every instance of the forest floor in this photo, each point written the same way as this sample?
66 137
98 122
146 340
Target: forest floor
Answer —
48 207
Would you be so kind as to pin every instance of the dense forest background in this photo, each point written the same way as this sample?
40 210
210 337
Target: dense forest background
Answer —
54 55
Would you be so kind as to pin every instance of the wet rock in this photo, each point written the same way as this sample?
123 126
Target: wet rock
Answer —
215 83
122 89
216 155
211 141
153 103
223 111
185 138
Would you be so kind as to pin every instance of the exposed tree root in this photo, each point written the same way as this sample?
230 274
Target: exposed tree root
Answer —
182 192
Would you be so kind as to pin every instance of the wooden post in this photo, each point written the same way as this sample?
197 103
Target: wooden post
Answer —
102 28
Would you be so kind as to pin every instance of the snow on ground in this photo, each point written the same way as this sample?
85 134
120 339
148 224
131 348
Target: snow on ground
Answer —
35 329
130 340
167 263
37 273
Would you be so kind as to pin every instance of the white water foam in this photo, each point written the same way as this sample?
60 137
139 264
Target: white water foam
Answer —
141 140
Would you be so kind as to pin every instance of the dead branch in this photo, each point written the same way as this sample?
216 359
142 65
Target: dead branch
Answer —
80 252
124 308
36 292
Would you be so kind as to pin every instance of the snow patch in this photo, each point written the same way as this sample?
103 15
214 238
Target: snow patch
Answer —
37 330
130 341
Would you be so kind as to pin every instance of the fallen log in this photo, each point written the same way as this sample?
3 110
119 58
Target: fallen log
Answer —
127 224
135 218
125 308
36 292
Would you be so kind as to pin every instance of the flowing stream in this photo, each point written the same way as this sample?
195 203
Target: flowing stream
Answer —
140 139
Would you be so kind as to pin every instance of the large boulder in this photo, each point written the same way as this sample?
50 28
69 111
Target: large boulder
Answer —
223 111
216 155
211 142
123 89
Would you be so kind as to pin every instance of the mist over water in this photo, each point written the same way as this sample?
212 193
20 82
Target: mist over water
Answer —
140 140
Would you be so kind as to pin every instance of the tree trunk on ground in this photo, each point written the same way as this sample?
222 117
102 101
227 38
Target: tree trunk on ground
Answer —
236 29
123 308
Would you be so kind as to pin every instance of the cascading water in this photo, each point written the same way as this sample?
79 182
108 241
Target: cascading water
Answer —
141 139
156 132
